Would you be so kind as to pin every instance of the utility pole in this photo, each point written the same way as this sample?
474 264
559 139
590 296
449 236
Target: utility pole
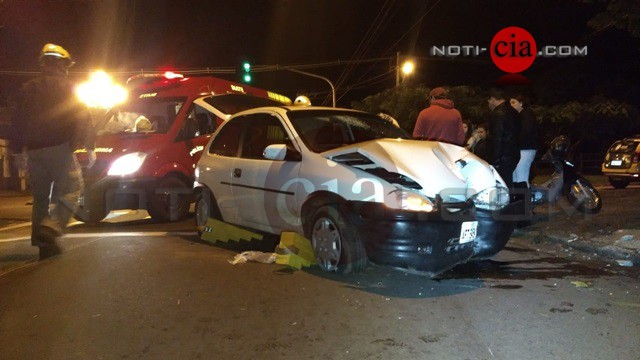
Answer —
397 68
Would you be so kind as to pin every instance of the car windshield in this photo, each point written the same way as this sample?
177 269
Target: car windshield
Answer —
146 115
323 130
233 103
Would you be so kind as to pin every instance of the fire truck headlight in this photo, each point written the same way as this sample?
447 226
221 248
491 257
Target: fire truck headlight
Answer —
127 164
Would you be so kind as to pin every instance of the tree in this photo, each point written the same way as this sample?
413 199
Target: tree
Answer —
594 124
622 14
403 103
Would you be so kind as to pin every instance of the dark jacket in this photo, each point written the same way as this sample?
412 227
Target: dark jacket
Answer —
528 130
482 149
48 113
504 130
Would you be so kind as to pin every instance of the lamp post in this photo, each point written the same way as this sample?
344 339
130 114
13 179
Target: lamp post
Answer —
333 89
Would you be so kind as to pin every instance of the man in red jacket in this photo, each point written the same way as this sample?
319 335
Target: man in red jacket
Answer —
440 121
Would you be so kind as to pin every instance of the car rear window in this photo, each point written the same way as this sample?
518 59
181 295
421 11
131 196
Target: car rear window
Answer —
626 146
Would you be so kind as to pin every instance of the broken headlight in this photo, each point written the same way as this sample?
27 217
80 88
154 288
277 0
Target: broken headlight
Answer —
493 198
411 201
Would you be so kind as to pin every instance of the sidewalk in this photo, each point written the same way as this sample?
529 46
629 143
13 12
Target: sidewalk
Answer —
14 193
622 246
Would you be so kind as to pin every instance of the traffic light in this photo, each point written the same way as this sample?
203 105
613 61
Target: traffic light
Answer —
245 72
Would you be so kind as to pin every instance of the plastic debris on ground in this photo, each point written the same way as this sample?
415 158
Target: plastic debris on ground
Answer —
626 238
626 263
582 284
257 256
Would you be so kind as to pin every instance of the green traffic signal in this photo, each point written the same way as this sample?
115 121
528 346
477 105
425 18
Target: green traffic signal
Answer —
245 72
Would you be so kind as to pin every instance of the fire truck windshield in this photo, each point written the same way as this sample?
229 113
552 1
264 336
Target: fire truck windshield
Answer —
145 115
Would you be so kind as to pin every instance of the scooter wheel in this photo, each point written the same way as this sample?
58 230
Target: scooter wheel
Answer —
584 198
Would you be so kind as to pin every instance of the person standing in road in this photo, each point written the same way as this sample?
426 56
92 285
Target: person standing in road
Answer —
440 121
504 132
528 141
48 122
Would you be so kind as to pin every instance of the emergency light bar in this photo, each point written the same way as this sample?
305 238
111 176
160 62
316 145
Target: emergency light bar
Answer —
147 78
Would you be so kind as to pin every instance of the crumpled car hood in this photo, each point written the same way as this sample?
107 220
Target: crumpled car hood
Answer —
429 163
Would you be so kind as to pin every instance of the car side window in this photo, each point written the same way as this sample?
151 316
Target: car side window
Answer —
260 131
199 122
227 141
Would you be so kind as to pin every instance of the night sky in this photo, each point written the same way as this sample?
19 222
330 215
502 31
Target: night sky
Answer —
153 35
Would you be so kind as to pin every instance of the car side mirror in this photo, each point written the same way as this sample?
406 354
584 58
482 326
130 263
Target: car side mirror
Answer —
281 152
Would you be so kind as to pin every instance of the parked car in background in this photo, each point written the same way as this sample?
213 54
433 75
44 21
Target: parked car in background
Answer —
358 187
621 162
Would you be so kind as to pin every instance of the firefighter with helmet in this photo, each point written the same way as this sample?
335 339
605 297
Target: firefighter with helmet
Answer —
49 122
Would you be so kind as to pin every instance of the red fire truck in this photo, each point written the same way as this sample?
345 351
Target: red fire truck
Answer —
147 148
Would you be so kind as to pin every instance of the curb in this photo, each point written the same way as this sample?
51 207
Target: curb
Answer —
610 252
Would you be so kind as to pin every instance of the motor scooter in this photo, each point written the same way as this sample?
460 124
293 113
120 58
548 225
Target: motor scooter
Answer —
565 181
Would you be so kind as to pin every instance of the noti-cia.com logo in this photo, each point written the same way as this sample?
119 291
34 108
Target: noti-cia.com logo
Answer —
513 50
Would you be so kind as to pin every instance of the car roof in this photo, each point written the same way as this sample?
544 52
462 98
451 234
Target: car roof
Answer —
296 109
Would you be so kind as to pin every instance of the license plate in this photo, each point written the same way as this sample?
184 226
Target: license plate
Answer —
468 231
616 162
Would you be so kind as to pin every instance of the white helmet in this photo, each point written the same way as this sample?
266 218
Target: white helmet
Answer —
302 101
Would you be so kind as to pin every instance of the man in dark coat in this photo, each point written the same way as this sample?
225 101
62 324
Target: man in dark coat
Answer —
504 131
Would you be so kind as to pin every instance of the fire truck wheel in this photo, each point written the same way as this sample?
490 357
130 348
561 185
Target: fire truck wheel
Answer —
89 216
170 201
95 212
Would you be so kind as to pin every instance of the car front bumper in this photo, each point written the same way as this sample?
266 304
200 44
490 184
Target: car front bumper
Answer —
425 243
495 228
115 193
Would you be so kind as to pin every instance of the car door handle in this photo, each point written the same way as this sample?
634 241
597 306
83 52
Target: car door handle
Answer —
237 173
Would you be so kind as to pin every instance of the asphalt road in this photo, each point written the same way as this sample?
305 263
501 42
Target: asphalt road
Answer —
160 293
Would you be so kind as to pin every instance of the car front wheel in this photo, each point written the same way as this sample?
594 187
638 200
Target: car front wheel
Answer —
206 207
336 244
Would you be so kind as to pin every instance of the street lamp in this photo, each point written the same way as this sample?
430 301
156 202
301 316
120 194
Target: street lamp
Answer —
407 68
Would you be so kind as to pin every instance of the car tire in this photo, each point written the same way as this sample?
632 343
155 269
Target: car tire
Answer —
618 183
92 214
336 244
90 217
593 202
164 205
206 207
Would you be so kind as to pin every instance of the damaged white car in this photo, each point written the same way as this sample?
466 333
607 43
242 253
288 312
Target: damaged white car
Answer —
355 185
